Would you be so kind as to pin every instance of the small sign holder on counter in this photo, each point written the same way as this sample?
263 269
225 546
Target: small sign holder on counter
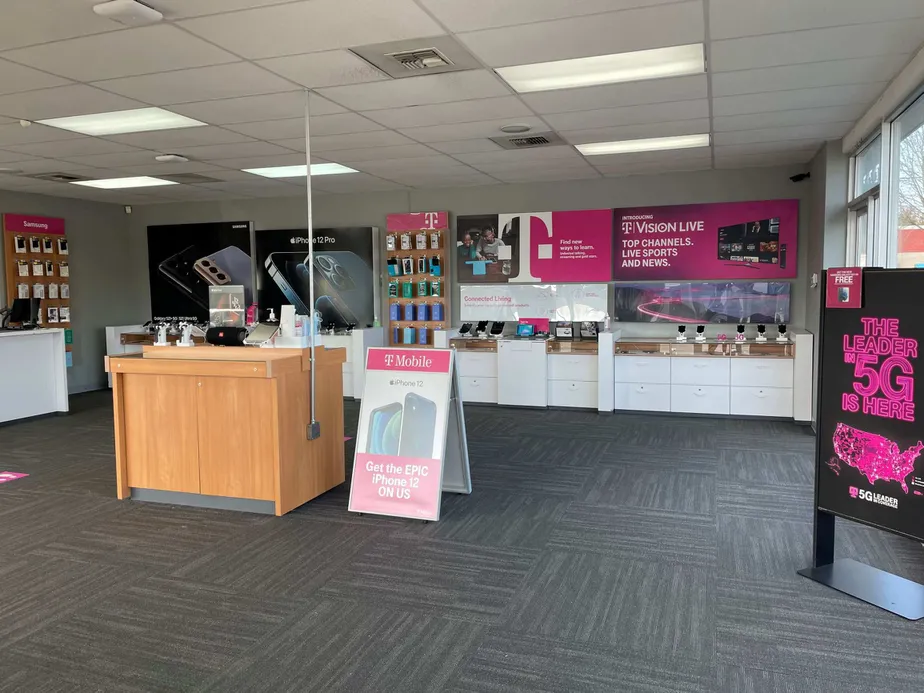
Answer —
411 443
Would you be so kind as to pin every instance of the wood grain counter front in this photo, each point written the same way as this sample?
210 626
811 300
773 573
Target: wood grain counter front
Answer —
214 425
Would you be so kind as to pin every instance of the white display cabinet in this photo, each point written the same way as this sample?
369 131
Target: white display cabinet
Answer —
356 344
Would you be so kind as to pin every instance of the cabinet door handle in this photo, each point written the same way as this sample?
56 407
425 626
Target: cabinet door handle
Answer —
761 367
640 389
700 365
760 393
699 393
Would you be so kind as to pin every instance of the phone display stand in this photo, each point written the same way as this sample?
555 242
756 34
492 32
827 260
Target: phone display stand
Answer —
185 339
161 336
418 242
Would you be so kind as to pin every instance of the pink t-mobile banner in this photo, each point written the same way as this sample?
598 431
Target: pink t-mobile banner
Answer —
418 221
535 247
734 240
23 223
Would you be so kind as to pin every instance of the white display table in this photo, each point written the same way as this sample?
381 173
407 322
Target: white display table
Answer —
33 373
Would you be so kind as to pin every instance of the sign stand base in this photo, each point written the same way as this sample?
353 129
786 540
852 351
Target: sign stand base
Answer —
889 592
877 587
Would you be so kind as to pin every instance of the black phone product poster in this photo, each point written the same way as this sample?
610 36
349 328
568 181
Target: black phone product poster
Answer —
185 260
870 425
346 282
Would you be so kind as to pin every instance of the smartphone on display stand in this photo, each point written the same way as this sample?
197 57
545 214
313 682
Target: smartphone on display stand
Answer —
418 427
347 282
179 270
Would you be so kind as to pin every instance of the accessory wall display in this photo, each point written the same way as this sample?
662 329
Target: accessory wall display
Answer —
737 240
346 285
869 467
416 250
411 443
34 250
186 260
534 247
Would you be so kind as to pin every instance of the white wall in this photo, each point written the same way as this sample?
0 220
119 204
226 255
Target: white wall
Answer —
100 273
371 209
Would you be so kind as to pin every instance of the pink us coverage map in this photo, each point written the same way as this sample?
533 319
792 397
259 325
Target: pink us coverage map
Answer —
875 456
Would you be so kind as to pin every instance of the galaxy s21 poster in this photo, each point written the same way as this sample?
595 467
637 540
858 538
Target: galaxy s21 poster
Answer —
870 425
186 260
346 285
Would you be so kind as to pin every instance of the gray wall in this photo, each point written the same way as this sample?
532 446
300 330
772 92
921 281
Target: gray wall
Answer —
371 209
100 275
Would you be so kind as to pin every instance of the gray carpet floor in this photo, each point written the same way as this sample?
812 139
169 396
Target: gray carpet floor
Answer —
597 553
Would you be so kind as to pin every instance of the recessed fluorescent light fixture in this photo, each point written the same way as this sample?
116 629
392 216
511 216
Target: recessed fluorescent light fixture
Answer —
654 144
119 183
299 171
123 122
656 63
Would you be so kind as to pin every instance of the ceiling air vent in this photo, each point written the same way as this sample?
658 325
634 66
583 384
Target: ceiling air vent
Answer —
420 59
58 177
540 139
411 58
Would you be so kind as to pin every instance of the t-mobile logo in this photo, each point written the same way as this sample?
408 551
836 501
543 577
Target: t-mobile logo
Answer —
854 492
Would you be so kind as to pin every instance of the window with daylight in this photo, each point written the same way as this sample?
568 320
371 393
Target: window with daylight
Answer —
906 243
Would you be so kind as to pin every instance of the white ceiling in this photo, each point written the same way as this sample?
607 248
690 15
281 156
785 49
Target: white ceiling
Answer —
783 77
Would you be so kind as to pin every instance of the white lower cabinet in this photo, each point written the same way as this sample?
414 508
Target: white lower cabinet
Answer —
643 396
570 393
699 399
761 401
522 373
573 380
482 390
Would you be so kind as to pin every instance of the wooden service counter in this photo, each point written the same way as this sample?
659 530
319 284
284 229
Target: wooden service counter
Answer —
226 427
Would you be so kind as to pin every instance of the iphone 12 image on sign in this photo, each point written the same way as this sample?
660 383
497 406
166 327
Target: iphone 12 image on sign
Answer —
870 440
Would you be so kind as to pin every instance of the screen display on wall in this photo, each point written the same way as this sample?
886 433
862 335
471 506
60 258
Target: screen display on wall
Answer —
535 247
870 468
703 302
185 260
734 240
345 284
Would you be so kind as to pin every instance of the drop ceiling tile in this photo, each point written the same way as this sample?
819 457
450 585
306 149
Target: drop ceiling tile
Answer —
759 148
293 159
448 181
560 154
356 156
15 78
820 131
155 168
67 148
487 14
423 164
454 112
659 169
184 137
816 45
547 176
765 161
54 165
351 183
318 24
17 134
136 157
808 75
321 126
689 88
240 150
256 186
378 138
491 128
202 83
27 22
821 97
416 91
501 170
8 159
58 102
638 131
465 146
601 34
248 109
135 51
181 9
630 115
734 18
324 69
774 119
